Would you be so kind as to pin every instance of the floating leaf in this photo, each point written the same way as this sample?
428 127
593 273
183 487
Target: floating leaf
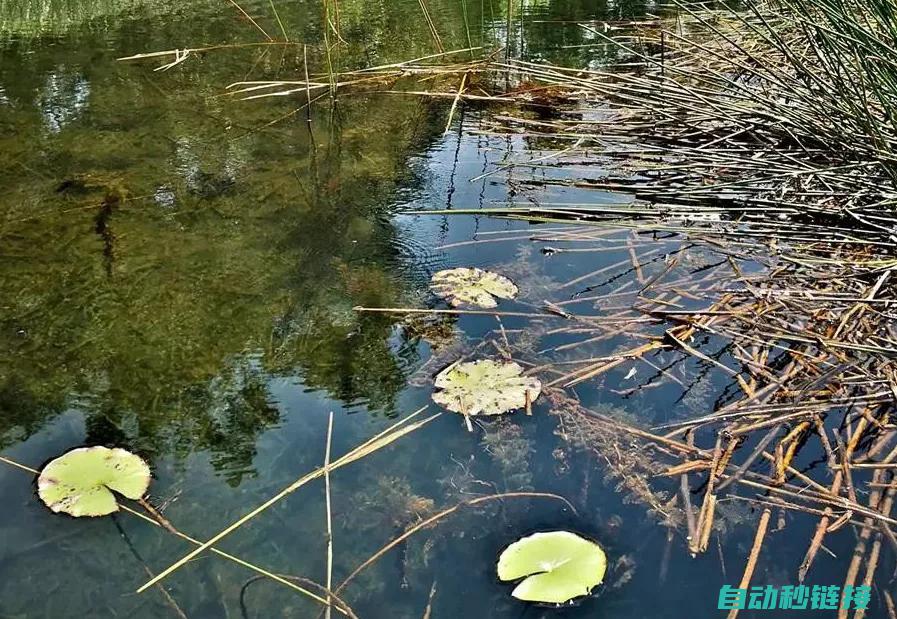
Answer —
471 286
485 387
558 566
80 483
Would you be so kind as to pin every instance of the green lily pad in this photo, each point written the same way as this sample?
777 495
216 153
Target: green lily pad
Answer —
557 567
471 286
81 482
485 387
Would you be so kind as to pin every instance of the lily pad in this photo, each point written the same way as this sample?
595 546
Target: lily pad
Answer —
485 387
81 482
557 567
472 286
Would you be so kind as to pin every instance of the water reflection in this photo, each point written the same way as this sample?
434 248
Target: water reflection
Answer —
157 246
62 99
156 234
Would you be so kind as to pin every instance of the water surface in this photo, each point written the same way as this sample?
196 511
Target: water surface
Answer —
178 271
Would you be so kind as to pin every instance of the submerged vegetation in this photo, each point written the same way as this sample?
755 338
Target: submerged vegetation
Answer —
764 136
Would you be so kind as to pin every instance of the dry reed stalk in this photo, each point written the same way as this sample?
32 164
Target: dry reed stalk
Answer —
374 444
859 552
889 604
708 507
429 608
329 580
432 26
459 94
753 556
818 536
283 30
685 492
872 563
252 21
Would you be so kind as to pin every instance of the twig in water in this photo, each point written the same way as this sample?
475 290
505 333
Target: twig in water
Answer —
168 599
448 124
436 39
252 21
329 580
283 30
429 609
337 602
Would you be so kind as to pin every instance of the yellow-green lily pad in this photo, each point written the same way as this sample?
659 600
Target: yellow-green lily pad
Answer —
485 387
82 481
472 286
557 567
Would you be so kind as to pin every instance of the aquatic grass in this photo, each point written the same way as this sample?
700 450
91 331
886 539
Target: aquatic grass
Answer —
328 53
761 138
467 25
786 104
509 17
765 137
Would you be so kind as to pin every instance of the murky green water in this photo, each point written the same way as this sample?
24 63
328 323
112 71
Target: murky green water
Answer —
177 276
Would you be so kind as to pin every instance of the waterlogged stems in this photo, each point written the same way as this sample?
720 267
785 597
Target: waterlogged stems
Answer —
437 517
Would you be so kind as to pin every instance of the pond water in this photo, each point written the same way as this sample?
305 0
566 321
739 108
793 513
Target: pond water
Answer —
178 272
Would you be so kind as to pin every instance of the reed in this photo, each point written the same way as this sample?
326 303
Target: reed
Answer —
437 40
763 137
